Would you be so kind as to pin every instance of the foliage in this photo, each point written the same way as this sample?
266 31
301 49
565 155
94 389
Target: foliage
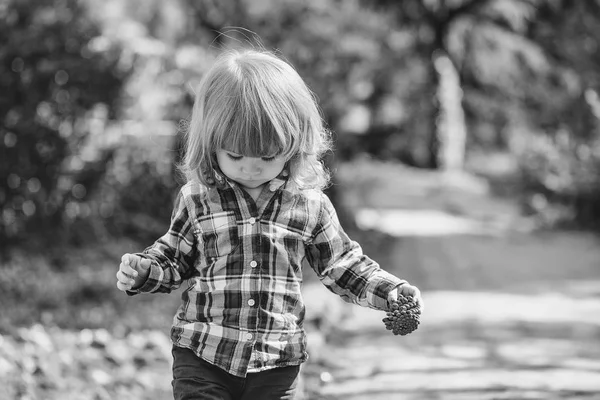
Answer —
139 189
560 177
561 166
55 70
76 289
71 163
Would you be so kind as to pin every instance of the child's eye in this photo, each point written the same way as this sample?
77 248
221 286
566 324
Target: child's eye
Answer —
234 157
268 159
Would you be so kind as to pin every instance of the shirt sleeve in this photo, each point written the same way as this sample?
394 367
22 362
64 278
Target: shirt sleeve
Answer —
343 268
173 255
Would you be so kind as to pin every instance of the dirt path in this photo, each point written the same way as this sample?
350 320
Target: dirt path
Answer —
509 315
471 345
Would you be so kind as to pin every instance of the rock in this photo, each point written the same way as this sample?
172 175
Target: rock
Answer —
38 336
100 377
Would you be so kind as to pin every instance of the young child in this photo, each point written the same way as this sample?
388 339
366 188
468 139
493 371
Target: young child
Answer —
251 214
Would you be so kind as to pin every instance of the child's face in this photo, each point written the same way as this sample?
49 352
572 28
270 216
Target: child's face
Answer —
249 172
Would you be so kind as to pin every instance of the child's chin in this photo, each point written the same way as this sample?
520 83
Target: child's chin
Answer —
252 184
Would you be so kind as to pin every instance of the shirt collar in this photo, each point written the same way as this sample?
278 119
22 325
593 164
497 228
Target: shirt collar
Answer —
279 180
276 183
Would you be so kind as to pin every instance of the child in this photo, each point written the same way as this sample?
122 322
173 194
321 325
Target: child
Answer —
250 216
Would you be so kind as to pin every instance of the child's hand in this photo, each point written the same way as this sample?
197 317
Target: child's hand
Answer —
407 290
133 272
410 290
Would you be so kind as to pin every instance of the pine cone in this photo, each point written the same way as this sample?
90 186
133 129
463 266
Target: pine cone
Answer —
403 317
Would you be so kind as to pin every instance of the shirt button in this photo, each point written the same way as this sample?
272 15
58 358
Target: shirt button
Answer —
252 221
249 336
251 302
253 264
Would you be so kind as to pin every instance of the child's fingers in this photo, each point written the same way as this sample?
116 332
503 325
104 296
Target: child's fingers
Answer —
123 287
131 259
136 262
410 290
126 259
420 302
126 274
132 269
419 299
128 270
407 290
124 278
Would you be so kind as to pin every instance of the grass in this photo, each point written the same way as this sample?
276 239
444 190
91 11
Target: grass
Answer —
77 290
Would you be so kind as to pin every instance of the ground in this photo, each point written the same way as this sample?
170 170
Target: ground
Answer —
511 311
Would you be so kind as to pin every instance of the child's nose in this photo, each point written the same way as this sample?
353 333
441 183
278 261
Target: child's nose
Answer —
252 166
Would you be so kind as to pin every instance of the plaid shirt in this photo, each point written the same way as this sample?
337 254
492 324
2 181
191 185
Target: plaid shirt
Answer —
243 310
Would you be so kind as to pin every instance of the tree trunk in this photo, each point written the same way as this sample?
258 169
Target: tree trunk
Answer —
450 126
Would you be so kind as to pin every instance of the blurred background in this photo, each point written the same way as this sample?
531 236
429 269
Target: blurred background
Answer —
467 161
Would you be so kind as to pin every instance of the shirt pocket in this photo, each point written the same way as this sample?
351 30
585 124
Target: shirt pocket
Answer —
219 233
289 245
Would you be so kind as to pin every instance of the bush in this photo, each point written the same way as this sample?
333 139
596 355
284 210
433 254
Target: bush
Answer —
135 198
54 79
560 181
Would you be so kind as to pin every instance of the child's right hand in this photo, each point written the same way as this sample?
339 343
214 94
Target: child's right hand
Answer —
133 272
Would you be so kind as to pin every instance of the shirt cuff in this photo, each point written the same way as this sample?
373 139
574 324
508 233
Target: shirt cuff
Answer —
386 282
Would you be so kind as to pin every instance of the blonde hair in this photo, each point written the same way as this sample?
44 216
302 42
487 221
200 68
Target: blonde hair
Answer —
256 104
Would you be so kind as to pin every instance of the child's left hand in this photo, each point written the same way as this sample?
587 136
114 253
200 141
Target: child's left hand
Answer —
407 290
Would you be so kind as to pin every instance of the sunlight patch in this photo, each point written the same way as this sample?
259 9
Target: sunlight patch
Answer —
403 222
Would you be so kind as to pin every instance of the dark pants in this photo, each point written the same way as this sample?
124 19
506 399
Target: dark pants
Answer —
194 378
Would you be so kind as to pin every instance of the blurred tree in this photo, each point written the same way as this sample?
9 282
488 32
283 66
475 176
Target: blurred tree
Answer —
446 38
58 78
400 80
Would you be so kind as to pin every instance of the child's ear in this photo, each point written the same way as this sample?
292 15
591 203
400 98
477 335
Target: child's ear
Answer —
209 176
